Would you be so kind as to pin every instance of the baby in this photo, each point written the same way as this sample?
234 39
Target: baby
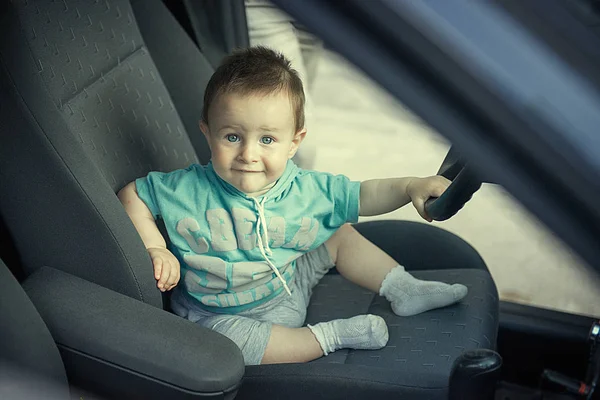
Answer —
252 234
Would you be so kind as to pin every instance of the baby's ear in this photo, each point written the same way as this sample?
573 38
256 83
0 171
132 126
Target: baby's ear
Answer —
298 138
204 128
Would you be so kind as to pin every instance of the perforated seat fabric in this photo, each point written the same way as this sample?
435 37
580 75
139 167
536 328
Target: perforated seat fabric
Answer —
417 359
103 116
425 343
99 74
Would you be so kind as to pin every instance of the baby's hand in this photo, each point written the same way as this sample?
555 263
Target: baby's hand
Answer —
421 189
166 268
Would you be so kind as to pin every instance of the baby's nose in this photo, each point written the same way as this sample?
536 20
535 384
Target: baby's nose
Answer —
249 153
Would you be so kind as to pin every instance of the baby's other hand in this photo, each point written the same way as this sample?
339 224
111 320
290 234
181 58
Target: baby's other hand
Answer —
421 189
166 268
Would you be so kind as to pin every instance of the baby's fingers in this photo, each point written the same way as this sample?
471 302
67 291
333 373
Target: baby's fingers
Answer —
173 280
158 266
441 184
419 204
174 275
164 276
438 190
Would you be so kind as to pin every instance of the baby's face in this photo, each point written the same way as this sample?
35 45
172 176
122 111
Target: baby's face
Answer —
251 139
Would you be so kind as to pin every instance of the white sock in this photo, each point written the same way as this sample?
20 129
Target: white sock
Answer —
367 332
410 296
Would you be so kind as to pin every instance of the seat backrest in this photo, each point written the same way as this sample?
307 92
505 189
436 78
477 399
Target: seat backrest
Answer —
184 69
84 111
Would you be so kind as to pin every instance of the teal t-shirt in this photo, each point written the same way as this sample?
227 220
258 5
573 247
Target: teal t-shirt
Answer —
227 257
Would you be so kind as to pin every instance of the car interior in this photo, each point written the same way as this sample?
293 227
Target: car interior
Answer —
96 93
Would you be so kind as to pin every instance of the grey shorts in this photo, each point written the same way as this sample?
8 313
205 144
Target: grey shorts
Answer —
251 329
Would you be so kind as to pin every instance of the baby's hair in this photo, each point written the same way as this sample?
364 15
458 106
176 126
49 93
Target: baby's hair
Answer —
256 71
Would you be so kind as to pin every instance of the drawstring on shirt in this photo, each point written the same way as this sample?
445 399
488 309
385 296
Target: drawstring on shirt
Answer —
263 240
262 221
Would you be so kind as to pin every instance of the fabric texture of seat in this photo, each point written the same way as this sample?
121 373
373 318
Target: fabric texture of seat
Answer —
417 360
185 85
88 112
99 74
414 345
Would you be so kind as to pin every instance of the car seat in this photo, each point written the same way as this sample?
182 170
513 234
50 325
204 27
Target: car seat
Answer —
97 93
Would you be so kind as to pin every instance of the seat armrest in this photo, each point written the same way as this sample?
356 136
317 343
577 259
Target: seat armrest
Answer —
119 346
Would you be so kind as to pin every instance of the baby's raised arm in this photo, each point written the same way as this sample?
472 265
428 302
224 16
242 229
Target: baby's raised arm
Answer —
380 196
166 265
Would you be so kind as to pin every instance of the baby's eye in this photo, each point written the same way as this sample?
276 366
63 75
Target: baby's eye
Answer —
266 140
232 138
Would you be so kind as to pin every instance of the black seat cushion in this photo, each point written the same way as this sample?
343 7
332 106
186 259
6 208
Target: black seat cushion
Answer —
424 343
417 359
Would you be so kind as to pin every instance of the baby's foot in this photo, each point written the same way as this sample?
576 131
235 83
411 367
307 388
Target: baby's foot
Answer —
410 296
367 332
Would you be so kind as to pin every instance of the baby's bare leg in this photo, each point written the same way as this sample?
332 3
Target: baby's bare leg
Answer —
363 263
287 345
291 345
359 260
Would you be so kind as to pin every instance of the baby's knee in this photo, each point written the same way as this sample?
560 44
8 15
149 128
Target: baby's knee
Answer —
345 233
251 336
